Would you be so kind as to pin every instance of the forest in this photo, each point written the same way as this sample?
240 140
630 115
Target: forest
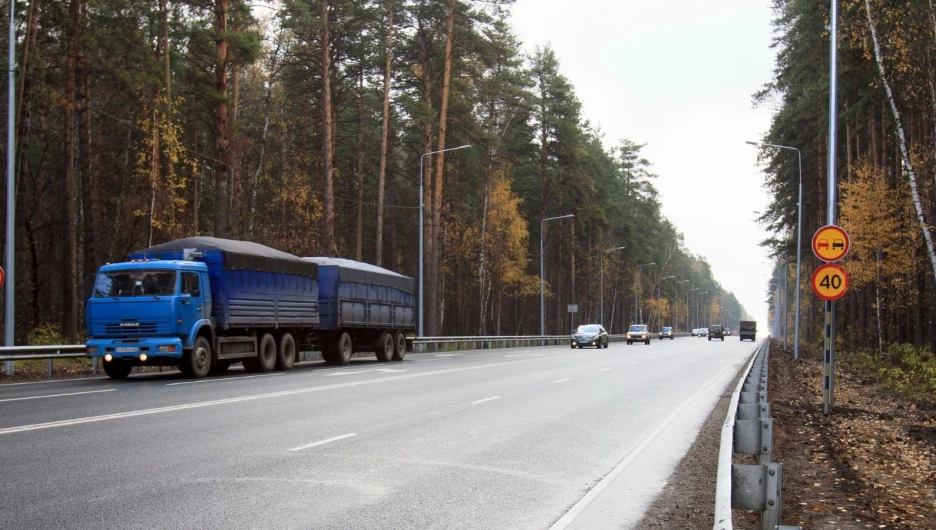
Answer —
312 125
885 165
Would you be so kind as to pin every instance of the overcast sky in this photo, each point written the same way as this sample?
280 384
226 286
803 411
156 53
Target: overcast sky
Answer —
678 76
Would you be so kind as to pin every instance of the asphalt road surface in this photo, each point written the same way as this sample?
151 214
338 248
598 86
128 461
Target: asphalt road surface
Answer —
513 438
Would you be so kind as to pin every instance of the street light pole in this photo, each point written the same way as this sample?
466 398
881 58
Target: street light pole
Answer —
688 323
676 303
9 325
542 281
799 237
637 295
660 281
422 206
702 307
777 311
601 254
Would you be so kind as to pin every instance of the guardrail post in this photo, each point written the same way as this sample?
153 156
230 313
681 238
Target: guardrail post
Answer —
757 487
49 368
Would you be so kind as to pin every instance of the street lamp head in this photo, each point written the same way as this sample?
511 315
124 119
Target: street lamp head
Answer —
753 143
616 248
667 277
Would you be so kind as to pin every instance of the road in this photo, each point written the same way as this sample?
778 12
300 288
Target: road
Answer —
514 438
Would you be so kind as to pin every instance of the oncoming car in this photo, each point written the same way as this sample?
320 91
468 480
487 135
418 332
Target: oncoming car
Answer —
666 332
638 333
590 335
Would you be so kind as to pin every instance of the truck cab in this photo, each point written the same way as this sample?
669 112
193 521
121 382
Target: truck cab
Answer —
147 312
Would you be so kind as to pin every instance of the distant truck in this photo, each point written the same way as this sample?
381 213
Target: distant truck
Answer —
203 303
747 329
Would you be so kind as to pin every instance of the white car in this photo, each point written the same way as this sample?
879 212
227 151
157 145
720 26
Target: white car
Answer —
638 333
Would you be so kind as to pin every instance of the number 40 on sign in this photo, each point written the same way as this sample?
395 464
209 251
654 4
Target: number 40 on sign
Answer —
830 282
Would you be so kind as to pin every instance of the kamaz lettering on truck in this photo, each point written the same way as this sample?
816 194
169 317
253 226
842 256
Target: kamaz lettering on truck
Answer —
204 303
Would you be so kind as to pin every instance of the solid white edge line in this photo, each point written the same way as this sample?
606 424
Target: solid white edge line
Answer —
593 494
483 400
57 395
281 393
323 442
222 379
562 380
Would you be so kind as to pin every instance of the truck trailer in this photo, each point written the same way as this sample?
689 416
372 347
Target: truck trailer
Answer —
203 303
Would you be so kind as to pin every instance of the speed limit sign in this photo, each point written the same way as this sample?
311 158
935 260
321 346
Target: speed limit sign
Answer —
830 282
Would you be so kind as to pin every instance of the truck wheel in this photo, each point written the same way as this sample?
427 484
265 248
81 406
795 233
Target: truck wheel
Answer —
221 367
117 369
384 347
266 357
286 353
327 349
344 349
399 350
196 362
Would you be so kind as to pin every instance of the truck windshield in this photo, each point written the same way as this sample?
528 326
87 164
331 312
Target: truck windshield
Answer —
134 282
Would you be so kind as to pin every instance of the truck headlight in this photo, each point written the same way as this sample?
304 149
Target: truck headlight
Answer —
92 350
167 348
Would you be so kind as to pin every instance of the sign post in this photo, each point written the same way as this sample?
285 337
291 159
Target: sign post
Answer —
573 308
830 282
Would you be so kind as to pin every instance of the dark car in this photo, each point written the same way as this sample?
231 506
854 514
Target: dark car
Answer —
590 335
666 333
716 331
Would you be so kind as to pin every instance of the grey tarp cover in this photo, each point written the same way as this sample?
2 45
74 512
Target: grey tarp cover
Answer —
355 271
239 255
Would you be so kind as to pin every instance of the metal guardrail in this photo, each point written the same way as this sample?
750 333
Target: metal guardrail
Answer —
748 430
424 345
49 353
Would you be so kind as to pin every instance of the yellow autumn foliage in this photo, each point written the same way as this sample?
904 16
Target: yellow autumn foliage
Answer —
883 232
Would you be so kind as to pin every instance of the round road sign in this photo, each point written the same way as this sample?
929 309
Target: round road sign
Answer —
829 282
830 243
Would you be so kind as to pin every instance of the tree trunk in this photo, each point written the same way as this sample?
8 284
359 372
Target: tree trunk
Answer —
438 180
908 164
70 241
267 100
235 224
360 166
331 248
222 148
381 175
89 192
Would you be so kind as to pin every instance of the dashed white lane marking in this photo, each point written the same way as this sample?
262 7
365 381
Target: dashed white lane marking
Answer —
282 393
605 369
56 395
449 354
222 379
486 399
562 380
633 362
384 370
323 442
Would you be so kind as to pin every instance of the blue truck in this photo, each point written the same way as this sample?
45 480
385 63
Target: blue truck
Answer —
204 303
